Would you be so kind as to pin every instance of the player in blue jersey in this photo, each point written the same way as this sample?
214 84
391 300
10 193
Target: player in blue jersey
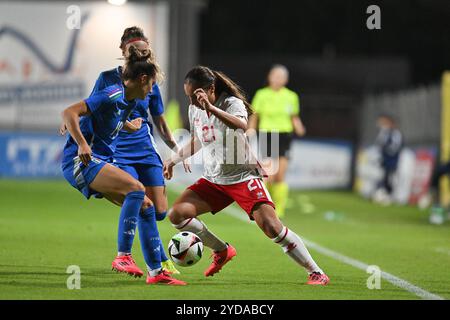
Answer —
136 152
94 125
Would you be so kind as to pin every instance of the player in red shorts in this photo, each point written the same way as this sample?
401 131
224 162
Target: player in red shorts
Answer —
218 115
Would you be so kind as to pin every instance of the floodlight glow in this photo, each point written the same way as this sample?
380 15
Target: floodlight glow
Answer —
117 2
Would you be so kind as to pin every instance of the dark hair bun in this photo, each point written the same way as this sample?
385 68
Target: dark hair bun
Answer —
135 55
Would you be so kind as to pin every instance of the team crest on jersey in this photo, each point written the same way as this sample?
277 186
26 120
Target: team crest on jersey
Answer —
260 194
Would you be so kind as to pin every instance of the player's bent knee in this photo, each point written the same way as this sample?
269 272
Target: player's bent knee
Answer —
267 221
178 213
135 185
174 219
161 208
130 186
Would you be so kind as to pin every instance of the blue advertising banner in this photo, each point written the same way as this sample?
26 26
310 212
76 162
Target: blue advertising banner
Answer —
30 154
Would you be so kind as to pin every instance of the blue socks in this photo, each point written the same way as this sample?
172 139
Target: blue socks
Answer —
149 237
159 217
127 220
163 252
151 243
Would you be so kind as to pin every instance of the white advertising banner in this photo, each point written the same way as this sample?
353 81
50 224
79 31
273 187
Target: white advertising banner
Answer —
52 52
319 165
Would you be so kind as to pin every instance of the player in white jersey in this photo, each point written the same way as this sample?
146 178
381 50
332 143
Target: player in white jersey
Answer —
218 115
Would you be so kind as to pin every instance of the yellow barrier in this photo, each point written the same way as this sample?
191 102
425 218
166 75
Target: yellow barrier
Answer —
444 183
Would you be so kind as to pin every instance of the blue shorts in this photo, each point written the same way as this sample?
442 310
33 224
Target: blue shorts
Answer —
80 176
149 175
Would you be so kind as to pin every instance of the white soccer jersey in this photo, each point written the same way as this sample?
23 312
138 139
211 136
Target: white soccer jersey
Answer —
226 155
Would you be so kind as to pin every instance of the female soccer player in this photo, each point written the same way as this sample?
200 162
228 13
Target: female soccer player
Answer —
136 154
87 166
277 110
218 112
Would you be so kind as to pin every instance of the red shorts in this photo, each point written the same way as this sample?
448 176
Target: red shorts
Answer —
219 196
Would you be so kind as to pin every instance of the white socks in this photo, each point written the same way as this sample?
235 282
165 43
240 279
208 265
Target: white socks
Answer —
153 272
199 228
294 247
290 242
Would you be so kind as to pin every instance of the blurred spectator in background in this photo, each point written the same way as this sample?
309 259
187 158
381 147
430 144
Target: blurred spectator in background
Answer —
390 142
438 212
276 109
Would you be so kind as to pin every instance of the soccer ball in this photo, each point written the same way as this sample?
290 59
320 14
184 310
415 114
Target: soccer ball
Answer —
185 249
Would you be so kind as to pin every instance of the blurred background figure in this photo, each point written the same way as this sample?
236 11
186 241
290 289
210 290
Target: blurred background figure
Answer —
438 211
277 111
390 143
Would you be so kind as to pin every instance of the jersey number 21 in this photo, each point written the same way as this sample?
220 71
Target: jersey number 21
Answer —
208 134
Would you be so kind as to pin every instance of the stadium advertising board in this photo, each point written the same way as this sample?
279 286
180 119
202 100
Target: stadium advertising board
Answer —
48 64
319 165
30 155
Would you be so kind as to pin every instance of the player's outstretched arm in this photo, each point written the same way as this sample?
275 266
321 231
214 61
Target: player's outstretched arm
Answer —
185 152
165 133
71 118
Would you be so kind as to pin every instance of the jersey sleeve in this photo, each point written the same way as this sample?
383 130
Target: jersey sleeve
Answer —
156 105
237 108
97 101
256 102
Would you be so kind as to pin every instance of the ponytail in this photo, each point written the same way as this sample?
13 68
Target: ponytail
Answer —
224 83
203 77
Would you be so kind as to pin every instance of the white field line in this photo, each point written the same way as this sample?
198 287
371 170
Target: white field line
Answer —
396 281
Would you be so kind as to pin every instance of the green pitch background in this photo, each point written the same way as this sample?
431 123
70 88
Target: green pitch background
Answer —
47 226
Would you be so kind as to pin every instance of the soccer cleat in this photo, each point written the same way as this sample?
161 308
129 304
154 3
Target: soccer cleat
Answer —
220 259
317 278
126 264
169 267
164 278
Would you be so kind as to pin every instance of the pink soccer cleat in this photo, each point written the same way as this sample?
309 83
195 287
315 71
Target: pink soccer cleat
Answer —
164 278
220 259
126 264
317 278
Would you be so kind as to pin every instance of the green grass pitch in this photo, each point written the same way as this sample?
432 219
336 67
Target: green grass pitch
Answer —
45 226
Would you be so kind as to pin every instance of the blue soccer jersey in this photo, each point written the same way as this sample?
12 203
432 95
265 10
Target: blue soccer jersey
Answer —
137 147
109 110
